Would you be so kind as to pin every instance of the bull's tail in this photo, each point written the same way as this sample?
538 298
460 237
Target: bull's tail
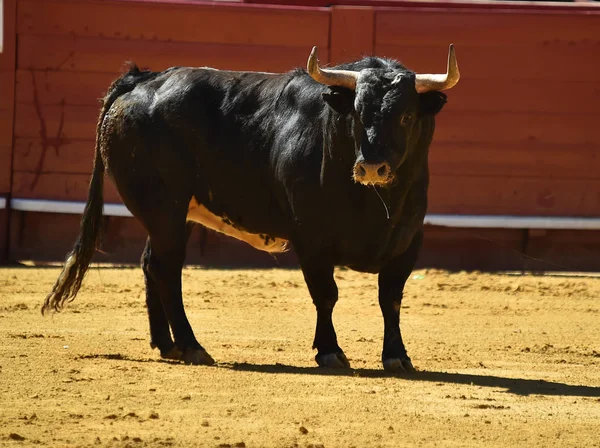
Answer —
78 260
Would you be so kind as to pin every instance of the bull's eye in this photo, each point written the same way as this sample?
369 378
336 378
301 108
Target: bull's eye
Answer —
405 119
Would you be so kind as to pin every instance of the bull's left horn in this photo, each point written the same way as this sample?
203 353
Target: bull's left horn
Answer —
342 78
427 82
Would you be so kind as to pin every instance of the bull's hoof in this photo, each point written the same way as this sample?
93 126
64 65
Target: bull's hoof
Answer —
396 365
197 357
174 353
333 361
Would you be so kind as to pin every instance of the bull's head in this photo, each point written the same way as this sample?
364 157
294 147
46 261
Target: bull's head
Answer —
387 106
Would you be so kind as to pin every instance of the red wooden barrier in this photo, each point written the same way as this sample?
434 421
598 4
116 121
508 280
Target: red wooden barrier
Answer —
7 87
7 95
518 135
70 51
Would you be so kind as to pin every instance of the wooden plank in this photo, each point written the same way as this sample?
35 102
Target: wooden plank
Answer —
5 162
514 196
524 96
7 57
469 249
110 55
84 88
448 194
57 186
544 6
7 99
193 22
59 87
57 124
352 33
49 237
559 250
509 128
3 236
30 155
445 159
6 127
7 81
79 122
404 26
528 159
532 61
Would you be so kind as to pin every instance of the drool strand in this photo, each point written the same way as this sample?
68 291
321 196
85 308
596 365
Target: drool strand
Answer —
387 212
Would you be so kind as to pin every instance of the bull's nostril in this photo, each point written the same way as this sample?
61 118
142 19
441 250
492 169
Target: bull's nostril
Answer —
382 171
361 170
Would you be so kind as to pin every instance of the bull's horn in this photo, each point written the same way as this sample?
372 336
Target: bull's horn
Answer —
343 78
427 82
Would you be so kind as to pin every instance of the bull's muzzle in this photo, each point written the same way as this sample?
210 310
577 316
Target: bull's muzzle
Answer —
372 173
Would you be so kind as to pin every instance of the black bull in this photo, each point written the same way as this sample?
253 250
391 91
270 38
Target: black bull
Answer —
330 161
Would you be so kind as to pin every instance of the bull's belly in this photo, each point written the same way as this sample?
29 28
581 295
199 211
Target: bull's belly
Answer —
200 214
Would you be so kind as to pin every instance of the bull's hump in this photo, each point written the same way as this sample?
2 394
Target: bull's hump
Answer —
200 214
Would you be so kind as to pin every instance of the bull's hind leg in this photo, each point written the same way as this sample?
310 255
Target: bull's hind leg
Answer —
165 258
160 333
391 286
164 217
324 292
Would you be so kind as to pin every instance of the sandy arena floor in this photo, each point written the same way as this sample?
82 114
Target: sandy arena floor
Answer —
503 360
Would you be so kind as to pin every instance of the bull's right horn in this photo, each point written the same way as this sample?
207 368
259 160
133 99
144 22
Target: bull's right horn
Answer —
427 82
329 77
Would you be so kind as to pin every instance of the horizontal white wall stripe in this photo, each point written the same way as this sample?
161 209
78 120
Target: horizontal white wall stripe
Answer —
513 222
460 221
69 207
2 203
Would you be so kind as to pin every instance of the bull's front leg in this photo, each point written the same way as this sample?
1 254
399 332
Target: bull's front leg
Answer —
324 292
391 286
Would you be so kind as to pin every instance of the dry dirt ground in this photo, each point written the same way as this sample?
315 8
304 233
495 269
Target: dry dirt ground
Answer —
503 360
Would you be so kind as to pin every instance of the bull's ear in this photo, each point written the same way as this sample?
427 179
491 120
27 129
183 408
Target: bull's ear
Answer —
430 103
339 99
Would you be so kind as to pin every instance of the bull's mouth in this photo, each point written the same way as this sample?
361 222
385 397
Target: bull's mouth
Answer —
372 175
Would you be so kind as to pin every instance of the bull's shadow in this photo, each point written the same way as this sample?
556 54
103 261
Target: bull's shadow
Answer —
517 386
